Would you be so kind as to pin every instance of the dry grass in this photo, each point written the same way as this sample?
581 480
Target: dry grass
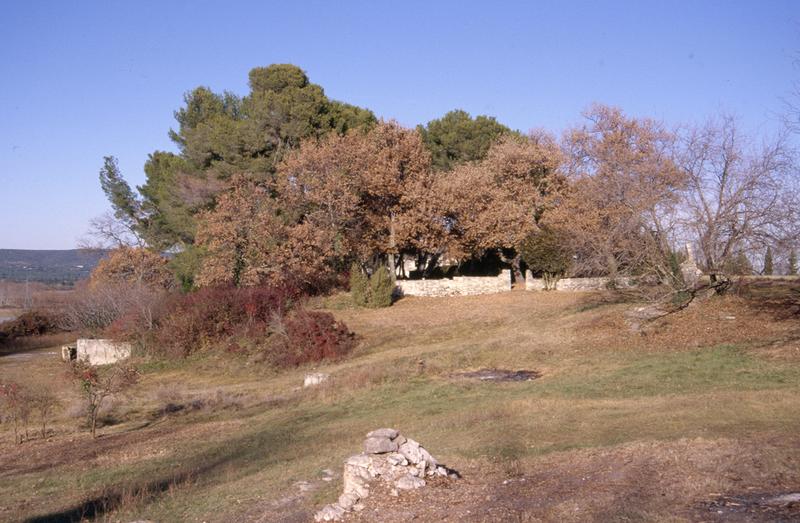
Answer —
220 440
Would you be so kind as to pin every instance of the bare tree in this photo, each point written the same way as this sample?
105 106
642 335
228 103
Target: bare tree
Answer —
740 196
109 232
97 385
617 216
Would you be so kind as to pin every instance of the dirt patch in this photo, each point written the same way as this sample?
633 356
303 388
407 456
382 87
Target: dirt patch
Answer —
501 375
642 481
784 506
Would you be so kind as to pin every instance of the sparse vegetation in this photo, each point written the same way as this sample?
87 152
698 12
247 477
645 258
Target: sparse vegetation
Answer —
224 432
97 385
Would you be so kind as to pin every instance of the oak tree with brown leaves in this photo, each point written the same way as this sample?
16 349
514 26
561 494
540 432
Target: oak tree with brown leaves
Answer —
495 204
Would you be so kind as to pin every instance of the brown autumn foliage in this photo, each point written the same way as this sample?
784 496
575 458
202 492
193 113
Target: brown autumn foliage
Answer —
494 204
617 215
365 188
249 240
342 198
132 266
617 191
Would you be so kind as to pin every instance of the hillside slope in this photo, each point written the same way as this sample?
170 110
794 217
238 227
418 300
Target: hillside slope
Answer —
620 426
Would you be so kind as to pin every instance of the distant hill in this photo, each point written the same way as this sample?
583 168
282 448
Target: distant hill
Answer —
66 267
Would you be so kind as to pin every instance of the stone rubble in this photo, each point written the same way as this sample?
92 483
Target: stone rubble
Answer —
390 457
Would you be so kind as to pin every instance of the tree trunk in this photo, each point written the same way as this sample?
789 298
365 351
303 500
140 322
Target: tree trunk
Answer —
392 245
516 266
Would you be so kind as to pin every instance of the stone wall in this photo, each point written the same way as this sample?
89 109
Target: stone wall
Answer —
102 352
576 284
458 286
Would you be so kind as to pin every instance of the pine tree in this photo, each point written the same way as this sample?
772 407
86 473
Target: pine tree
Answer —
381 288
359 286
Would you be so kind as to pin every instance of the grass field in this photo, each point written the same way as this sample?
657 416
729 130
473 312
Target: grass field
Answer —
620 426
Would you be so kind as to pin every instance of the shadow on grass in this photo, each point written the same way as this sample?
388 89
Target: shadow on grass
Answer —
240 456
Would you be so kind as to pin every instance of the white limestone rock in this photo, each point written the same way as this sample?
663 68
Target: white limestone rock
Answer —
409 482
347 500
379 445
383 433
332 512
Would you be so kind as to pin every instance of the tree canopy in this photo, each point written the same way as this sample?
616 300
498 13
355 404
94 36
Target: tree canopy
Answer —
457 137
222 135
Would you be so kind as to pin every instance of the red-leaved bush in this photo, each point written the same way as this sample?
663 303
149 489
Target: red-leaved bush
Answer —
208 315
266 322
311 336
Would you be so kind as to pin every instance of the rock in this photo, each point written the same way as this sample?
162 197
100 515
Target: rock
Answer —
409 482
347 500
315 378
379 445
383 433
399 462
331 512
415 453
395 458
639 316
359 460
785 499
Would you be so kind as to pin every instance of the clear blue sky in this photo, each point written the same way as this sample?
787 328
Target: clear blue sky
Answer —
81 80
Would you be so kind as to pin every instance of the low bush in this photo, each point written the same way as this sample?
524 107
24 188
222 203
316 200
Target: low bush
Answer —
308 337
373 291
195 320
359 286
30 323
381 288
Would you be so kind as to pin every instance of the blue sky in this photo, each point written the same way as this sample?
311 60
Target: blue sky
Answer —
81 80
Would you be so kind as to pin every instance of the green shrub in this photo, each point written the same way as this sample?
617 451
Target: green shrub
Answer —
547 256
359 286
381 288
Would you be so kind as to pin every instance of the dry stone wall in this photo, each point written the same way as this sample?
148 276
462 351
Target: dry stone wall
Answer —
458 286
577 284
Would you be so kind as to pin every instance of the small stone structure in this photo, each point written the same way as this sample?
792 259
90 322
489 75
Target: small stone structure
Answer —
69 352
390 457
457 286
578 284
315 378
96 352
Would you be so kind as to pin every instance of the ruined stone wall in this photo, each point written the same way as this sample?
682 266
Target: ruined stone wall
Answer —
458 286
576 284
102 352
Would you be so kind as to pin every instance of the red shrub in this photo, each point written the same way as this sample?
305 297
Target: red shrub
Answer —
30 323
211 314
311 336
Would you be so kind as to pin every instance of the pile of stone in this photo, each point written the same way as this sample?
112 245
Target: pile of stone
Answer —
389 457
